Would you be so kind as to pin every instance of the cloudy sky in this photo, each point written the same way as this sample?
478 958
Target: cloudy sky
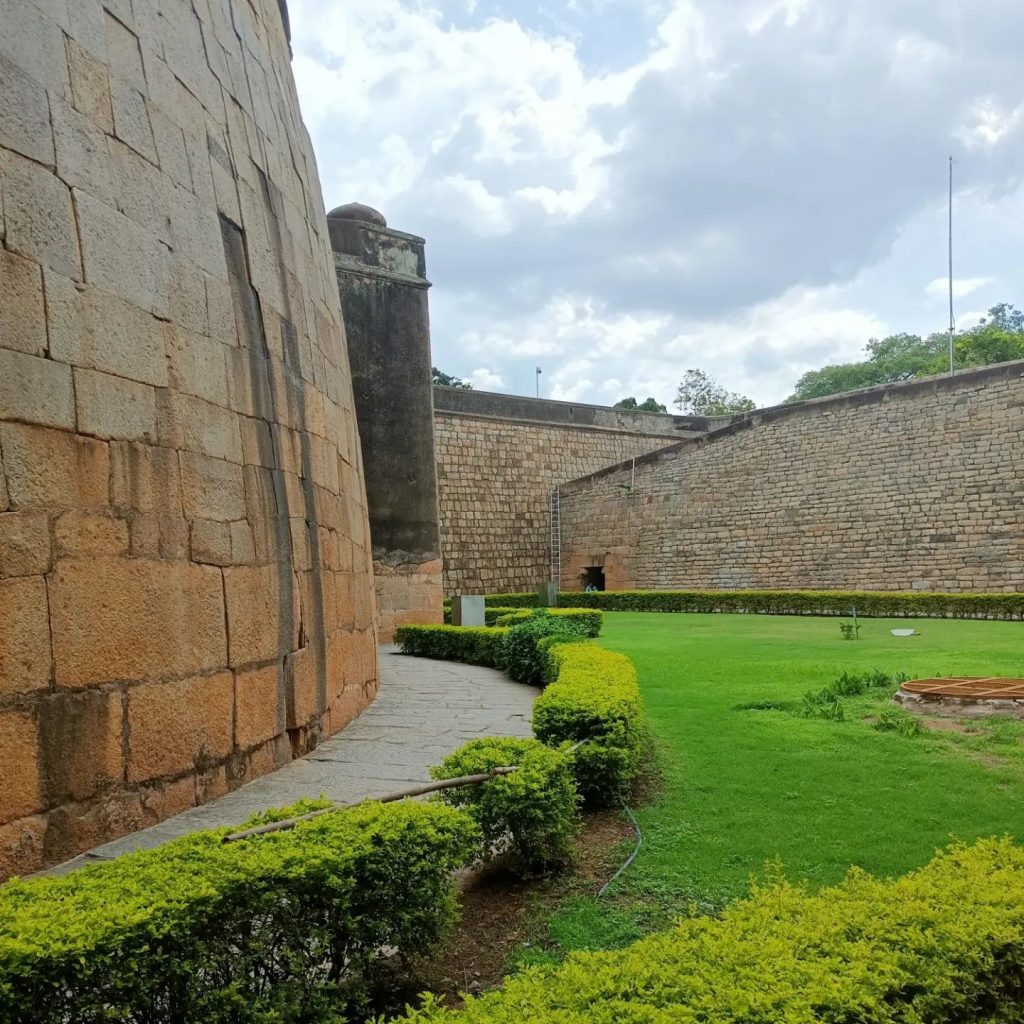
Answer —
620 190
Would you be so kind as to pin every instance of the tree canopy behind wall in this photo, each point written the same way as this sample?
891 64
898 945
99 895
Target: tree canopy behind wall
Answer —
996 338
449 381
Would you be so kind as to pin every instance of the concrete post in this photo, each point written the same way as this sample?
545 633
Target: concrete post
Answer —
467 611
382 281
547 595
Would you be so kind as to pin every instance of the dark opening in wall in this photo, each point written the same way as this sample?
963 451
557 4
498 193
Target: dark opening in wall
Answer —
593 577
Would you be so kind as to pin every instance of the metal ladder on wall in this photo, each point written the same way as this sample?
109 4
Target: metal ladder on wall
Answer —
556 537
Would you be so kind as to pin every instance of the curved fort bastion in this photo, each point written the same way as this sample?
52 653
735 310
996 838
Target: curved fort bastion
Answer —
186 598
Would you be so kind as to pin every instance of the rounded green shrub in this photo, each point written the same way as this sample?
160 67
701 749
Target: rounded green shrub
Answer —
532 811
522 656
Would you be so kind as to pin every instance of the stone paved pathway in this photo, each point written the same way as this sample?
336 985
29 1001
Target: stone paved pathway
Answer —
424 710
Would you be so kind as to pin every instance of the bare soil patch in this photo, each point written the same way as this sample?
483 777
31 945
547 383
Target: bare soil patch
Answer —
499 910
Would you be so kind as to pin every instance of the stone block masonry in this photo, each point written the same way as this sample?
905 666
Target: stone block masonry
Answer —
498 459
186 597
916 486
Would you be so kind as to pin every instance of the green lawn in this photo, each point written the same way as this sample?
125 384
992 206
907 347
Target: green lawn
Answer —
743 788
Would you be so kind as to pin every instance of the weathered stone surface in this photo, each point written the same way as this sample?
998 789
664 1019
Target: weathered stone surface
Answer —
259 706
95 329
133 452
21 846
80 735
36 390
304 697
211 542
146 620
121 257
21 792
22 313
24 114
79 534
38 216
261 612
24 544
90 87
144 478
53 469
112 407
24 636
172 727
212 488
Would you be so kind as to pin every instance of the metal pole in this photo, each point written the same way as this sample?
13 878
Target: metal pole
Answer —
538 381
952 322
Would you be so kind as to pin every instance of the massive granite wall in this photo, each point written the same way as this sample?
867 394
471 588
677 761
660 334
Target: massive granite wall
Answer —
498 459
916 486
185 584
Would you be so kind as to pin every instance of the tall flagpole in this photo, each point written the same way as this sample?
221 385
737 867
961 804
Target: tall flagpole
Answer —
952 322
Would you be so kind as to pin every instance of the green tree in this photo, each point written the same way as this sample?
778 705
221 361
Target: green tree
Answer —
448 381
700 394
996 338
648 405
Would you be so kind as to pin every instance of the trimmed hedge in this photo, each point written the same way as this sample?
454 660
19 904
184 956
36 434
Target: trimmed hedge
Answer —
532 811
281 928
475 645
870 603
522 655
589 619
944 944
593 696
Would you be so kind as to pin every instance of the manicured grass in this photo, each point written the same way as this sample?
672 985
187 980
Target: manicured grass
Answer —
743 788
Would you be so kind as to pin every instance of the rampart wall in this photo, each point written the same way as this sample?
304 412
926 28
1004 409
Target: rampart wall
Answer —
917 486
186 597
498 459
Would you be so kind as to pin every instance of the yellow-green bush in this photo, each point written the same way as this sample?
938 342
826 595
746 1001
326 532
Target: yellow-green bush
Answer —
943 945
870 603
277 929
475 645
531 811
593 695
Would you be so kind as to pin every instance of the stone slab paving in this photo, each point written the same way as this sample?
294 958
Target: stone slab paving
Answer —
424 710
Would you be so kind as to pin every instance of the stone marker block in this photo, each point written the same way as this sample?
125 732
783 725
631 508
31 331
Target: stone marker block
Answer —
467 611
547 595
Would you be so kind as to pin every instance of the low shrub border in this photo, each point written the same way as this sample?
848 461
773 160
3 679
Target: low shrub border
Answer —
593 695
475 645
590 620
870 603
532 811
284 927
943 944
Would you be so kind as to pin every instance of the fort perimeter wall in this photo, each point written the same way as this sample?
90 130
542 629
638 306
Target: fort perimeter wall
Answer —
916 486
498 459
186 596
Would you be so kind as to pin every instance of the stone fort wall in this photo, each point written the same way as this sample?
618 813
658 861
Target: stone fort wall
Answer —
498 459
185 582
917 486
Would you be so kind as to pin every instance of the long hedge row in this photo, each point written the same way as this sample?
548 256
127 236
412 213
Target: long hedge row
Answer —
591 698
943 945
284 927
869 603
